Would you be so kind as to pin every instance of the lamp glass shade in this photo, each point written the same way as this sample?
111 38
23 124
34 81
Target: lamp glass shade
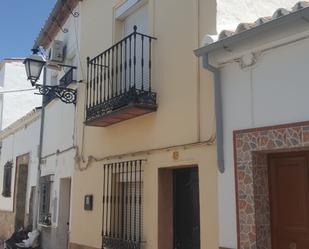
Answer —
34 65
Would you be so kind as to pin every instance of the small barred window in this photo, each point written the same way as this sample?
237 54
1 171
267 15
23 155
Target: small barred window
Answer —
7 179
45 189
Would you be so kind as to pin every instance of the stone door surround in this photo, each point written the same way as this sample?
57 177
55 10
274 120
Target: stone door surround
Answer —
251 147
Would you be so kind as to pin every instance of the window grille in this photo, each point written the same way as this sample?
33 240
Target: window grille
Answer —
122 205
7 179
45 189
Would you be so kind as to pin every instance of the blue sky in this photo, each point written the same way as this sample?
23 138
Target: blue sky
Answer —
20 23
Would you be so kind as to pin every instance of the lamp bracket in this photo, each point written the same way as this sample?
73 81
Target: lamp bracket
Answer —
66 95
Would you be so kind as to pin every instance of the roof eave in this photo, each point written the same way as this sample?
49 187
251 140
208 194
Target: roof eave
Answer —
50 28
234 39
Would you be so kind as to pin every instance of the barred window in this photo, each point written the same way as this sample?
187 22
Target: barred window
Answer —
7 179
122 205
45 188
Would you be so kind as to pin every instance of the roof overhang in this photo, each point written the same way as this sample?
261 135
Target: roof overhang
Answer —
254 32
19 124
61 12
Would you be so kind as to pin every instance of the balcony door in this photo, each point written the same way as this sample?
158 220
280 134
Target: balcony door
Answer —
139 18
21 193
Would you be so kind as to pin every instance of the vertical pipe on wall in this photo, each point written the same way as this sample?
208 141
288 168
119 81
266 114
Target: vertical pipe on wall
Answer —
218 111
198 78
40 149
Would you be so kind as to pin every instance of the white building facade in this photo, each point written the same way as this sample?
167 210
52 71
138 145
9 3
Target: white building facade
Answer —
263 188
21 145
18 171
16 98
58 142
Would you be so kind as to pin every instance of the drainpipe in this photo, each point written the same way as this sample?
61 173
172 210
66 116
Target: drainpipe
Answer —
218 112
40 147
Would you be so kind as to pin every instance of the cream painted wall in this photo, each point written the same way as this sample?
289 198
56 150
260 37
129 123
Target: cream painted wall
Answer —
86 226
185 115
273 91
176 78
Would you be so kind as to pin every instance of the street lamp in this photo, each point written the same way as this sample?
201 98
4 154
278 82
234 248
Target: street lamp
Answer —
34 65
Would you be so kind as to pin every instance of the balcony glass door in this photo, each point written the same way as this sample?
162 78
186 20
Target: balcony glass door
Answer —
138 18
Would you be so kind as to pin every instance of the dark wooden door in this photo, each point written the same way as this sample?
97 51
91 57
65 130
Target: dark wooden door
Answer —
289 200
21 194
186 209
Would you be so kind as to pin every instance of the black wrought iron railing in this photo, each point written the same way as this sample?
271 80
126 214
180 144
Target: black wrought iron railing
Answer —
68 78
122 219
120 75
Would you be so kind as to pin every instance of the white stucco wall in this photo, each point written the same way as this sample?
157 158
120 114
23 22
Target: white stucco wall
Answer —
60 117
23 141
70 40
16 105
61 166
58 150
273 91
58 127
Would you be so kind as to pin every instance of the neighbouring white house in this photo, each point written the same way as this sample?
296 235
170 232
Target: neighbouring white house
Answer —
261 80
59 39
20 152
18 172
16 96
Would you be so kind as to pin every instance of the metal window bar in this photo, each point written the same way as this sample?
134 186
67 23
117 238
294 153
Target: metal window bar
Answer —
125 72
45 189
68 78
122 205
7 179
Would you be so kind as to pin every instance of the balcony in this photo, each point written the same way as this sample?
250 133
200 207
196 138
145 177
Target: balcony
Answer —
119 82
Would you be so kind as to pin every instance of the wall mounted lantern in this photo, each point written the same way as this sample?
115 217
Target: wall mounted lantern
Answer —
34 65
